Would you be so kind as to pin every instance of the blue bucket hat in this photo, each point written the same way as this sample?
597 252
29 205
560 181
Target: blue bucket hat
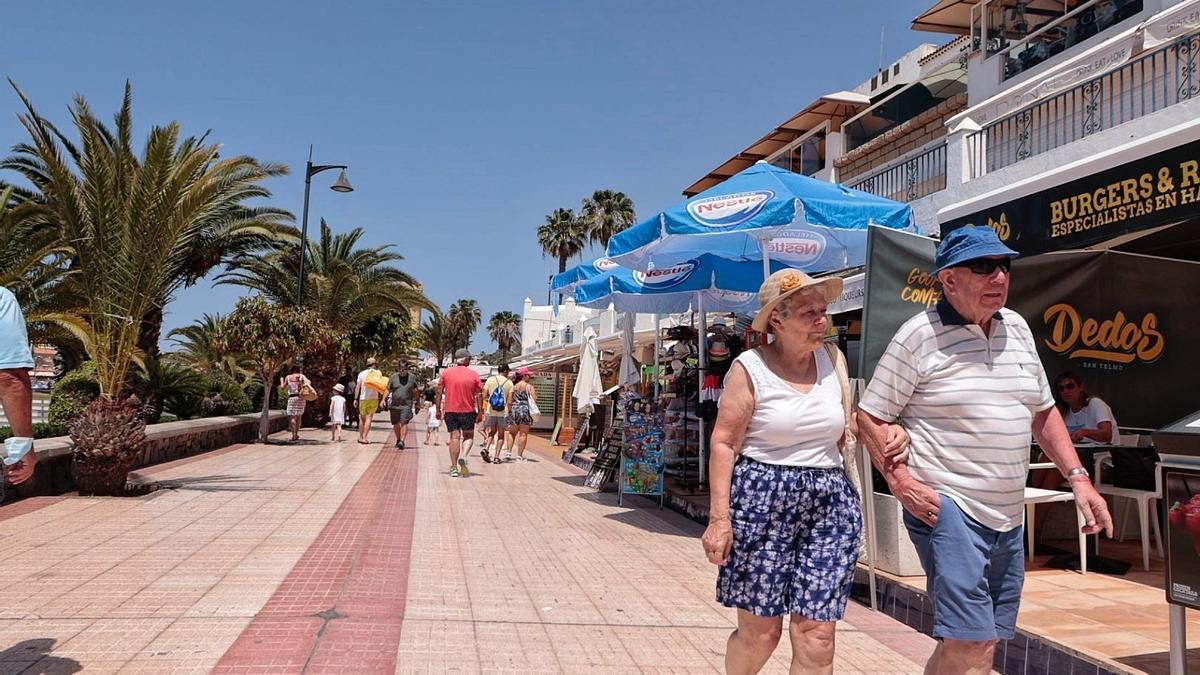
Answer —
969 243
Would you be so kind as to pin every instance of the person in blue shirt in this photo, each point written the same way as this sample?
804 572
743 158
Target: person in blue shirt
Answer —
16 391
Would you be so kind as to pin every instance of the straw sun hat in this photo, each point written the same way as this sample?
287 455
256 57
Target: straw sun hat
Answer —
782 285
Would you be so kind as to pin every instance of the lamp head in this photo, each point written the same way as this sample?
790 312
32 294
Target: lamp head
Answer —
342 184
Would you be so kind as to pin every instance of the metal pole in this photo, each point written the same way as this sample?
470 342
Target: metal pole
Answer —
764 244
701 371
1177 622
308 174
657 349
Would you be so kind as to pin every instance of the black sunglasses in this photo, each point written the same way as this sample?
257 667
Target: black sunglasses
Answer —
1066 386
984 266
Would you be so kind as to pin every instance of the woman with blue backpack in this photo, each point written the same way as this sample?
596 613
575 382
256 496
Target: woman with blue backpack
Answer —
497 392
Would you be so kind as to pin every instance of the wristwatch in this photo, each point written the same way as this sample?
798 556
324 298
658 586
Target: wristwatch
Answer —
1078 471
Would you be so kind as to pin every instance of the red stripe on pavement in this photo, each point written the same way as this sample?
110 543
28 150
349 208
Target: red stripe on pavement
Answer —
341 606
27 505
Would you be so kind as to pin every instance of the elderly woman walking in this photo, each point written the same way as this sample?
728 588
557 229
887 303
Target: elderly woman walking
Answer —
293 383
785 515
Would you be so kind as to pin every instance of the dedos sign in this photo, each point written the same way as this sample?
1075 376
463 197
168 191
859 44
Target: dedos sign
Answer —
1117 340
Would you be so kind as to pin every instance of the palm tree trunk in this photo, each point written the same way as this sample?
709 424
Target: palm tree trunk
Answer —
150 329
264 422
562 264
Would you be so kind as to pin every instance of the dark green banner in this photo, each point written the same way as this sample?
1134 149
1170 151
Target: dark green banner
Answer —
1156 190
899 285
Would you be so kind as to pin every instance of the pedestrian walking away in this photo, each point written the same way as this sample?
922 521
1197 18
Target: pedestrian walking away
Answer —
293 383
400 401
337 410
459 402
520 412
965 380
433 424
368 399
16 391
498 390
785 515
347 380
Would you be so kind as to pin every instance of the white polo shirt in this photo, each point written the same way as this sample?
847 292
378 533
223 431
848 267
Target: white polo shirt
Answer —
967 401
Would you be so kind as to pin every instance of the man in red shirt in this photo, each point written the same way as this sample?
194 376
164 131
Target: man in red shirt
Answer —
460 401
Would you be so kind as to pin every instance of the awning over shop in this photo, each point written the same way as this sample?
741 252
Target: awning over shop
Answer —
835 108
539 364
947 16
1144 184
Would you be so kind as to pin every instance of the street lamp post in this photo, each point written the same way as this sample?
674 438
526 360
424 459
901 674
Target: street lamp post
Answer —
342 184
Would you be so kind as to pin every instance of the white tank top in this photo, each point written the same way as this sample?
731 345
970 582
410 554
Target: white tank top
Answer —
791 428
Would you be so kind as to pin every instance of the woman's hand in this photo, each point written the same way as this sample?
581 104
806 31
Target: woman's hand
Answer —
718 540
897 446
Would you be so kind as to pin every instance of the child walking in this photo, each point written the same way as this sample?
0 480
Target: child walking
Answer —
433 425
337 410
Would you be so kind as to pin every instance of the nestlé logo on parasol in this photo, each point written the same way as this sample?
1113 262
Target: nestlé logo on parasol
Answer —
1116 340
666 277
604 264
729 210
798 246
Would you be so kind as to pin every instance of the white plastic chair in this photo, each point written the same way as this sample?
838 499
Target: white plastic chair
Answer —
1035 496
1147 516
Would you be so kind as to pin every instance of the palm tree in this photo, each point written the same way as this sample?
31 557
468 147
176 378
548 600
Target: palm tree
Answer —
463 318
132 223
346 285
606 213
435 337
505 328
563 235
198 349
205 204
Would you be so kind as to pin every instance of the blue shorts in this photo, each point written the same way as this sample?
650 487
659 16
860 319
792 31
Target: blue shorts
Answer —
795 541
974 574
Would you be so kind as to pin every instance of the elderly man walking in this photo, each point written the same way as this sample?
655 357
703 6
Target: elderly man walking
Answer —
965 379
459 401
16 391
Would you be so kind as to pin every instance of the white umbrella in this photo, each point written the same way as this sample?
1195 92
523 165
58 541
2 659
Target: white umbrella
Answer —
629 374
587 383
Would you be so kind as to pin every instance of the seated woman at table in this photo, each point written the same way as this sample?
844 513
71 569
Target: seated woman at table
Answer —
1089 419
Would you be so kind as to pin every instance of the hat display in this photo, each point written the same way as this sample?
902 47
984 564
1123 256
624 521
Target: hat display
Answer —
785 283
969 243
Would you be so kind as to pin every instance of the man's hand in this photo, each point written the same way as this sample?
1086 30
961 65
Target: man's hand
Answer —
22 471
922 501
718 540
896 449
1092 506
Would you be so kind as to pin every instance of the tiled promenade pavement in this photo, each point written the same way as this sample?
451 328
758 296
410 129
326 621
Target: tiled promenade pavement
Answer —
319 557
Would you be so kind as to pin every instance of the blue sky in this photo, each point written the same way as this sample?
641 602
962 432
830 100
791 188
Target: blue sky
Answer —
464 123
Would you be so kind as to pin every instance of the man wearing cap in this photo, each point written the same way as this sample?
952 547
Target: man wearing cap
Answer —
965 379
368 400
401 387
459 403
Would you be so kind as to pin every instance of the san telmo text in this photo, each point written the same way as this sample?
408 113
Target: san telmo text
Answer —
923 288
1125 199
1117 340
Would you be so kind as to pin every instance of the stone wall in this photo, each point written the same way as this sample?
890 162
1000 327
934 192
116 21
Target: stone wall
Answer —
164 443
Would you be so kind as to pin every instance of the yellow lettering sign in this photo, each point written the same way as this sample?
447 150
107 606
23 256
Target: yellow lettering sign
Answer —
1117 339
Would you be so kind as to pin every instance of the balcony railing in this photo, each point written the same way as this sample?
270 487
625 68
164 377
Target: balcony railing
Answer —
1151 82
920 174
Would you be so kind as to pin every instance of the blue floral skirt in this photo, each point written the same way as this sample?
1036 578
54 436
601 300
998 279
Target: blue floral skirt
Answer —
795 541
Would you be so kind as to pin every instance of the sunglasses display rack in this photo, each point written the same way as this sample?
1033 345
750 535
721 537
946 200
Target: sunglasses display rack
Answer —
681 423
